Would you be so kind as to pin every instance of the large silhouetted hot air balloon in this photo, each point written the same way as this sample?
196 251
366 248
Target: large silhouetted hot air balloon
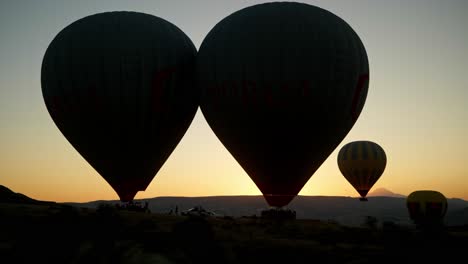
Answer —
281 86
362 163
426 207
120 87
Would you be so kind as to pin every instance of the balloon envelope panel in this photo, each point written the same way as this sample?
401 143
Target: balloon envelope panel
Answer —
281 86
362 163
120 87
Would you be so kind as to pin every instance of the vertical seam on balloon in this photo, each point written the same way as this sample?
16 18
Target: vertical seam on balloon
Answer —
375 152
365 150
354 152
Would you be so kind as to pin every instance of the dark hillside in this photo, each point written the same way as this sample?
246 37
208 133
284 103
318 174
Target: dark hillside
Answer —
66 234
8 196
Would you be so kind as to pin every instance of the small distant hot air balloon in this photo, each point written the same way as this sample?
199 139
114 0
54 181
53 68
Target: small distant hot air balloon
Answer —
426 207
362 163
281 85
120 87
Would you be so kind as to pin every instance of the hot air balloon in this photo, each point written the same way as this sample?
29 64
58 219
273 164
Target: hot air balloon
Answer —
120 87
362 163
281 85
426 207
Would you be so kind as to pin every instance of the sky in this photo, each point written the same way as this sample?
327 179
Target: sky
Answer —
415 108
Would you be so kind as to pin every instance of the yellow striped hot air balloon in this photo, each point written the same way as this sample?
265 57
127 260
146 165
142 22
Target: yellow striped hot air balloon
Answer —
362 163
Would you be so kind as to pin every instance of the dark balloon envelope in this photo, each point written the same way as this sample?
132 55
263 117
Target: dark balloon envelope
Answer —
362 163
426 206
120 87
281 86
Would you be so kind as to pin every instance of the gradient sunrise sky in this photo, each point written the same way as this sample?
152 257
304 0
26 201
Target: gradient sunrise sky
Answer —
415 109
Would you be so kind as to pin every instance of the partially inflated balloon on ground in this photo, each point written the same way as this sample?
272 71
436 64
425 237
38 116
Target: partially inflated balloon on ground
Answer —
120 87
281 86
426 206
362 163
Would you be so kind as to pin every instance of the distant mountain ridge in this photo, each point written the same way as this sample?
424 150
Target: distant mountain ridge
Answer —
385 192
344 210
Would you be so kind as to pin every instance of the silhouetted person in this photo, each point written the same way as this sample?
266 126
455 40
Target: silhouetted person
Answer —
177 210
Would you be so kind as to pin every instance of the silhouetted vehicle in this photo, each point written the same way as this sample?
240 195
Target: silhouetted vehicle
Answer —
362 163
199 211
120 87
281 85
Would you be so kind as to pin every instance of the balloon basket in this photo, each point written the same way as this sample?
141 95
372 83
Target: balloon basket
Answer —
134 206
363 199
279 214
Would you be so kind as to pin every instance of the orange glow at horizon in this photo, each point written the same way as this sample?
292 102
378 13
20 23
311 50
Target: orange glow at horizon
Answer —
207 169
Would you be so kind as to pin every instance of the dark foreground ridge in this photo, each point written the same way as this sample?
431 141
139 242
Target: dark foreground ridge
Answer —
32 233
8 196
